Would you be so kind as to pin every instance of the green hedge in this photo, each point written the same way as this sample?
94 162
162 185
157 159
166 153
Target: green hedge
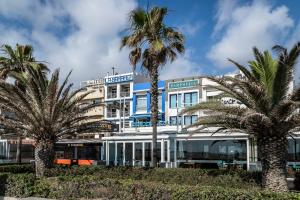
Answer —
89 186
225 178
15 168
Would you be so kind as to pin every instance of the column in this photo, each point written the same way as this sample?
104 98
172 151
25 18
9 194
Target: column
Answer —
133 153
248 154
143 154
116 152
124 161
175 153
162 147
107 152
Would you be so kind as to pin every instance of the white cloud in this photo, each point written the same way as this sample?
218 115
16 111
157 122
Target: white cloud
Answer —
190 29
79 35
224 13
256 24
183 66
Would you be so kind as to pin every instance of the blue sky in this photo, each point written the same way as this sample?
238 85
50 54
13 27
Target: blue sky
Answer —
85 35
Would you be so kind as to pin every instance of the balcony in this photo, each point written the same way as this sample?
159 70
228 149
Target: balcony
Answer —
110 114
127 113
111 95
125 94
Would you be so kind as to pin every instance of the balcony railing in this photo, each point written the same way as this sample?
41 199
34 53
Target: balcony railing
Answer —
125 94
111 95
148 124
111 114
127 113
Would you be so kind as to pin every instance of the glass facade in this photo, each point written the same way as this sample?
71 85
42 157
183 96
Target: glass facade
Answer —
223 150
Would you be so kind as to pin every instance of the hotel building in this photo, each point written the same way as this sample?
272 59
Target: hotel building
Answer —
127 98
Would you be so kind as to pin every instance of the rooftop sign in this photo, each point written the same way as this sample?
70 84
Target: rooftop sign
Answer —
119 78
183 84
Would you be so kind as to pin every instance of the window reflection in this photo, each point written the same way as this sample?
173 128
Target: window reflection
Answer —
226 150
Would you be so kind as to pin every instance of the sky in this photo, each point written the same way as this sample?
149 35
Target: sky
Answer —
84 36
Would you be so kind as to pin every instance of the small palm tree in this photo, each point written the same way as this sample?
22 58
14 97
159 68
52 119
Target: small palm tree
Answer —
45 112
153 44
269 110
13 64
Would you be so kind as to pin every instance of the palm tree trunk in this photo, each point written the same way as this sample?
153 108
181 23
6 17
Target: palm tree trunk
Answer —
273 152
154 114
44 157
19 150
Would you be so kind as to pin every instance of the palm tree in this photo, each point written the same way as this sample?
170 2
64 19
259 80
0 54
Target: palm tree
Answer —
153 44
269 110
13 64
45 112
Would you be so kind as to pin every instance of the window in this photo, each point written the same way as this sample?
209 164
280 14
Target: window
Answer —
125 90
112 92
141 103
190 119
159 100
179 101
211 98
173 101
190 98
173 120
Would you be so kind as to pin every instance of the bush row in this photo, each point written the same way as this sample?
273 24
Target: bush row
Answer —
89 186
15 168
229 178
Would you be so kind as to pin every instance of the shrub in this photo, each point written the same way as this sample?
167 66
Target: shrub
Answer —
226 178
19 185
91 186
14 168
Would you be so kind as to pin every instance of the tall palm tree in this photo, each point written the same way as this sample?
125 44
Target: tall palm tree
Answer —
153 44
45 112
269 110
13 64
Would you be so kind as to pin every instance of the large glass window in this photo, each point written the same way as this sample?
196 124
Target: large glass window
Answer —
173 101
111 153
190 98
141 103
120 153
226 150
138 153
128 154
147 152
